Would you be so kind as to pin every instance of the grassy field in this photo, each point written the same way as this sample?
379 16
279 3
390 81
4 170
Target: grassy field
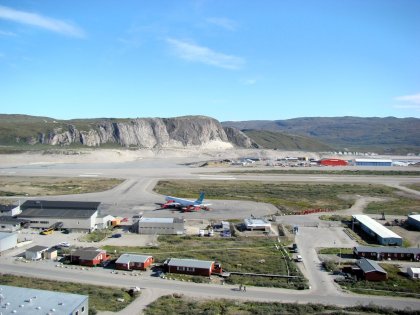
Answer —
49 186
100 298
177 304
396 285
290 198
415 186
240 254
328 172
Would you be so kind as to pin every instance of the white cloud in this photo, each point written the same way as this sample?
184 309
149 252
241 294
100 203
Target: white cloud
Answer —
225 23
38 20
249 81
5 33
415 98
192 52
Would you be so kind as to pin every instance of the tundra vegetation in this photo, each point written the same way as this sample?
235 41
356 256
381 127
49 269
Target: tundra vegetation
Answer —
236 254
292 198
178 304
50 186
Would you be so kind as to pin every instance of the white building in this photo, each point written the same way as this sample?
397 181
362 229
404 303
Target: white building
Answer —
157 226
257 224
7 241
35 252
9 210
413 273
33 301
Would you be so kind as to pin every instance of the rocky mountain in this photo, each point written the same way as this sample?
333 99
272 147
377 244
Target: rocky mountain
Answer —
382 135
140 132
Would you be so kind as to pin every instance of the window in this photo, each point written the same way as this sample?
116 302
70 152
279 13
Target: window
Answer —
83 309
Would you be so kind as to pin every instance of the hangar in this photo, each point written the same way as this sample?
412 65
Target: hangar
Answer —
333 162
73 215
372 162
376 230
414 221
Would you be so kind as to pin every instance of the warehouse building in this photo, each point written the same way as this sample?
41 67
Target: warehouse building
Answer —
7 241
73 215
414 221
376 230
25 301
10 224
372 162
192 267
387 253
333 162
159 226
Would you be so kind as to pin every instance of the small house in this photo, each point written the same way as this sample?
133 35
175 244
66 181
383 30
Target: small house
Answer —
35 252
192 266
257 224
371 271
133 262
51 253
413 273
89 256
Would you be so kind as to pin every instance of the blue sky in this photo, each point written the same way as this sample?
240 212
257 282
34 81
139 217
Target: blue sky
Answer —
231 60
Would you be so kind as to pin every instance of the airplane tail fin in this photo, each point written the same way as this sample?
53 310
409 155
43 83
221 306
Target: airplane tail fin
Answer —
200 199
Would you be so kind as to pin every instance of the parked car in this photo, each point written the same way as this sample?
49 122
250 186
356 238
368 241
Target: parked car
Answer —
299 258
117 235
64 244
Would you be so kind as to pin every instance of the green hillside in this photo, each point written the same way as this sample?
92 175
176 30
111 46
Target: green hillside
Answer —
283 141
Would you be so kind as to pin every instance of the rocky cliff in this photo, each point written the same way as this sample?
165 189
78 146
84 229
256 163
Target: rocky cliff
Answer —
176 132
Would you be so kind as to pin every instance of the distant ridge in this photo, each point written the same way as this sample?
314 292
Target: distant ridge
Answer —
383 135
178 132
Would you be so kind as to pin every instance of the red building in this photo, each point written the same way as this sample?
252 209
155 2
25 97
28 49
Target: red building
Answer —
89 256
333 162
192 267
371 271
133 262
387 253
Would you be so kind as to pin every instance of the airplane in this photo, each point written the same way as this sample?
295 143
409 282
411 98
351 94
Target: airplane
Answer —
185 204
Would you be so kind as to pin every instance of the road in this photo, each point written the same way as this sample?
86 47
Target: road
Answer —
136 195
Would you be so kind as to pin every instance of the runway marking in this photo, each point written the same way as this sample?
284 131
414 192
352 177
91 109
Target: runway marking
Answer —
88 175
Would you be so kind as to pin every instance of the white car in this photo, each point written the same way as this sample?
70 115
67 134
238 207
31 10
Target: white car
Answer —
64 244
299 258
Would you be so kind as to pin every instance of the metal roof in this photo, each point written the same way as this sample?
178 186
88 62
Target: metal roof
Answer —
32 301
415 217
414 269
88 253
368 265
37 248
375 227
52 204
256 222
127 258
392 250
156 220
57 213
6 235
191 263
374 160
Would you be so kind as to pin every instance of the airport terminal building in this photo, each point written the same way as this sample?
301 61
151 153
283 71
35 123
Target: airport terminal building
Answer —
73 215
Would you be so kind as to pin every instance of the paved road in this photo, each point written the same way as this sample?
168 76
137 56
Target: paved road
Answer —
100 276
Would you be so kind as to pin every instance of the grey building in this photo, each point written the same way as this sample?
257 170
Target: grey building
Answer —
33 301
376 230
35 252
7 241
9 210
9 224
159 226
72 214
414 221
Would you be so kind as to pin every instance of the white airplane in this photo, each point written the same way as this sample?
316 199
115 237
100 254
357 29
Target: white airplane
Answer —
185 204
